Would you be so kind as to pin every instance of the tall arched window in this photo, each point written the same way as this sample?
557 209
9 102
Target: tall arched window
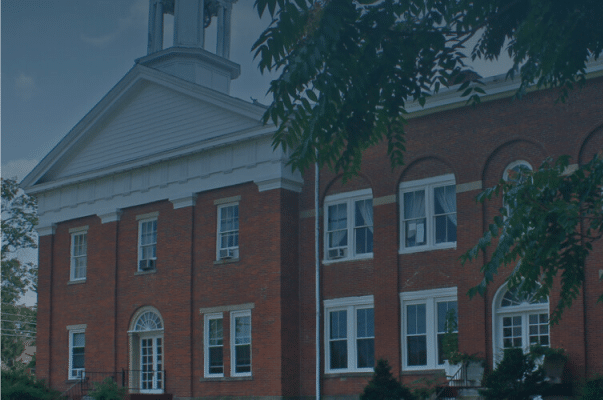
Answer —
519 321
147 373
515 173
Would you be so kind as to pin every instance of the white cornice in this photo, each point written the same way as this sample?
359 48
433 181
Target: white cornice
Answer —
496 87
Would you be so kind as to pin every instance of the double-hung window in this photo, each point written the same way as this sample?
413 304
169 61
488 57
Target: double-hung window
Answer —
214 345
428 214
350 334
79 250
228 231
349 225
147 244
424 322
240 343
77 347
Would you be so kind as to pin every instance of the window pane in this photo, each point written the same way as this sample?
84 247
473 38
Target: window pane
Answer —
366 353
338 217
366 322
338 354
417 350
339 324
243 358
215 332
243 330
216 363
416 319
364 240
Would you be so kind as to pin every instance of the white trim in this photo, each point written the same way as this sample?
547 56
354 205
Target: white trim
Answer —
181 201
233 316
430 299
77 327
515 164
349 199
46 230
233 252
81 231
143 219
206 318
72 332
428 185
227 308
499 312
350 305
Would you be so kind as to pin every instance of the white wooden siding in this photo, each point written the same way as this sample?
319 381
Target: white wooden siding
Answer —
156 120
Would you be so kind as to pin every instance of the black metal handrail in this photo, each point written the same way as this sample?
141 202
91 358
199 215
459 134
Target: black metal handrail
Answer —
85 383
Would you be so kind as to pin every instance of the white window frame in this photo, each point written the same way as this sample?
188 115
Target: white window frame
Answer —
427 184
207 317
226 253
430 299
74 257
140 259
525 309
350 199
350 305
233 316
70 375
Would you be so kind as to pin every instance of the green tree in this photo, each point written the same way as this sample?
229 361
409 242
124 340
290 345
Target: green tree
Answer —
383 385
348 68
18 221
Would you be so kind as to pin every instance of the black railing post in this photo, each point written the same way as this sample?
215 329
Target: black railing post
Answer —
123 377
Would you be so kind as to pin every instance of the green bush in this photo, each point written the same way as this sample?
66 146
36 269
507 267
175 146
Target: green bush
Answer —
516 378
17 384
383 385
592 389
107 390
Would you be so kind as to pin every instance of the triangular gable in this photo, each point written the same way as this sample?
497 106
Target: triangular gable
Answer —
148 113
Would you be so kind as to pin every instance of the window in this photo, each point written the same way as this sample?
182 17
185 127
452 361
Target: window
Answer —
350 334
428 213
147 244
424 318
79 246
240 343
520 321
349 225
77 346
228 232
515 174
214 345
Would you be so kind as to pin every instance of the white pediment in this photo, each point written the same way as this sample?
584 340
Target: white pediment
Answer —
147 116
156 120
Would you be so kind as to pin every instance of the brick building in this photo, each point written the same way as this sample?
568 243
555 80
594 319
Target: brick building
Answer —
177 246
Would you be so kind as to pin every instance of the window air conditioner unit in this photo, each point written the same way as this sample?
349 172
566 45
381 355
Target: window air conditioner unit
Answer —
338 253
146 264
229 253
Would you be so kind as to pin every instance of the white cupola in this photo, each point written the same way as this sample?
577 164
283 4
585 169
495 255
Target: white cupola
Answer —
187 58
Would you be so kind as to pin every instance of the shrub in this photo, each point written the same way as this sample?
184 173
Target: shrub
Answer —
592 389
107 390
383 385
516 377
17 384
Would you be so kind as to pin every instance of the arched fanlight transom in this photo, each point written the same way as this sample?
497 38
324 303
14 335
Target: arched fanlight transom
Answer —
148 321
513 298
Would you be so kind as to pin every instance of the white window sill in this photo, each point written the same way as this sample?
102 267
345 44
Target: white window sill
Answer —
364 256
349 372
226 261
78 281
143 272
417 249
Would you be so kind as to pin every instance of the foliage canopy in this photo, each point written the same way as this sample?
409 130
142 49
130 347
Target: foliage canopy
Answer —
349 68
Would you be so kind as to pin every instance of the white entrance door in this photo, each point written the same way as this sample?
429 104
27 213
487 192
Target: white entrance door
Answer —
151 365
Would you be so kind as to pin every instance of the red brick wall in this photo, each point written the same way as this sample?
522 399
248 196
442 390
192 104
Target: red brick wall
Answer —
275 271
